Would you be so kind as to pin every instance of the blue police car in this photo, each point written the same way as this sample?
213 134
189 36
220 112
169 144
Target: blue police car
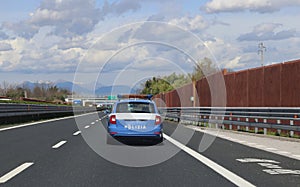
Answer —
135 116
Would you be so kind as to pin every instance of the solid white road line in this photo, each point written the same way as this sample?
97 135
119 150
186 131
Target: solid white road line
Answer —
271 149
87 127
76 133
15 172
260 146
283 152
45 121
232 139
237 180
251 144
59 144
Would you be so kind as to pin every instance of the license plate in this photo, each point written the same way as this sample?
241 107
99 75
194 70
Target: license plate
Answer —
135 127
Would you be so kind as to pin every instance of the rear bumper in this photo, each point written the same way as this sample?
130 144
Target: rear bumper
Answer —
117 134
115 131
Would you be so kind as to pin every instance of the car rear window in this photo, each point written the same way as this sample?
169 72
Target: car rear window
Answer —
135 107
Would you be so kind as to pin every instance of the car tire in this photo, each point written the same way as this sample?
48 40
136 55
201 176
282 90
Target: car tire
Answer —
161 139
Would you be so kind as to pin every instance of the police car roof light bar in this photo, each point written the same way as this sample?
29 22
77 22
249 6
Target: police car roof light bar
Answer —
135 96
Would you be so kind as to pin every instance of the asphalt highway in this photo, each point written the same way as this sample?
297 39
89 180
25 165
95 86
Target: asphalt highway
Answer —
58 153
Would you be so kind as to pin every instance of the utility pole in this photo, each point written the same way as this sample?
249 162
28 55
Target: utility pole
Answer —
261 50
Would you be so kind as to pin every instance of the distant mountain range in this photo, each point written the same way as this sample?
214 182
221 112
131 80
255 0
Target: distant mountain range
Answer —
100 90
114 90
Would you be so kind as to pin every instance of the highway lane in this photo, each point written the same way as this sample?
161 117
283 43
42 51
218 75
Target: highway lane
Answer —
32 142
227 152
74 163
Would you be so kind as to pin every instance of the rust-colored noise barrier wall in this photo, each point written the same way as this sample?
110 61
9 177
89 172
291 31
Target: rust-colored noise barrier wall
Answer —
276 85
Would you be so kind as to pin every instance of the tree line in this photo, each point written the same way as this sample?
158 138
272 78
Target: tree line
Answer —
167 83
45 92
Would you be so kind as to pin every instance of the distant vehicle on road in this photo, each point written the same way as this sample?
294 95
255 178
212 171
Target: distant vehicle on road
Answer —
135 116
105 107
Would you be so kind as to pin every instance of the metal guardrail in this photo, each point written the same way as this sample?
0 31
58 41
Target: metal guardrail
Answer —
9 111
236 117
19 109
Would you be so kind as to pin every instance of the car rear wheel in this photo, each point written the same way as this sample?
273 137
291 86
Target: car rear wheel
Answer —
161 139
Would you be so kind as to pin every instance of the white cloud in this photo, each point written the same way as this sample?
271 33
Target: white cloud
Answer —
266 27
261 6
59 33
28 56
69 17
10 59
5 46
3 35
222 50
120 7
23 29
56 35
268 31
196 23
234 63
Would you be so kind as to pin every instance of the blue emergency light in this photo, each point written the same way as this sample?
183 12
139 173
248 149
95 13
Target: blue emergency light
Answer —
135 96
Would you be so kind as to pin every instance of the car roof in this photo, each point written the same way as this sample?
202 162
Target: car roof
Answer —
135 101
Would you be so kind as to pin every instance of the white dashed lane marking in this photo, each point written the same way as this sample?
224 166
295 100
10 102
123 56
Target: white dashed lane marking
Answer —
59 144
87 127
15 172
76 133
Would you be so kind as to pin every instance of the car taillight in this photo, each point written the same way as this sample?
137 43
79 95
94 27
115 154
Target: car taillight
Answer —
112 119
157 120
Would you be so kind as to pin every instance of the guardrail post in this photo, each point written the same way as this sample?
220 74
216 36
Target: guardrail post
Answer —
230 119
291 132
265 129
278 130
179 115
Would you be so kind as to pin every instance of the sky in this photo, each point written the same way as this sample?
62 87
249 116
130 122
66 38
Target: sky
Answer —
126 41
